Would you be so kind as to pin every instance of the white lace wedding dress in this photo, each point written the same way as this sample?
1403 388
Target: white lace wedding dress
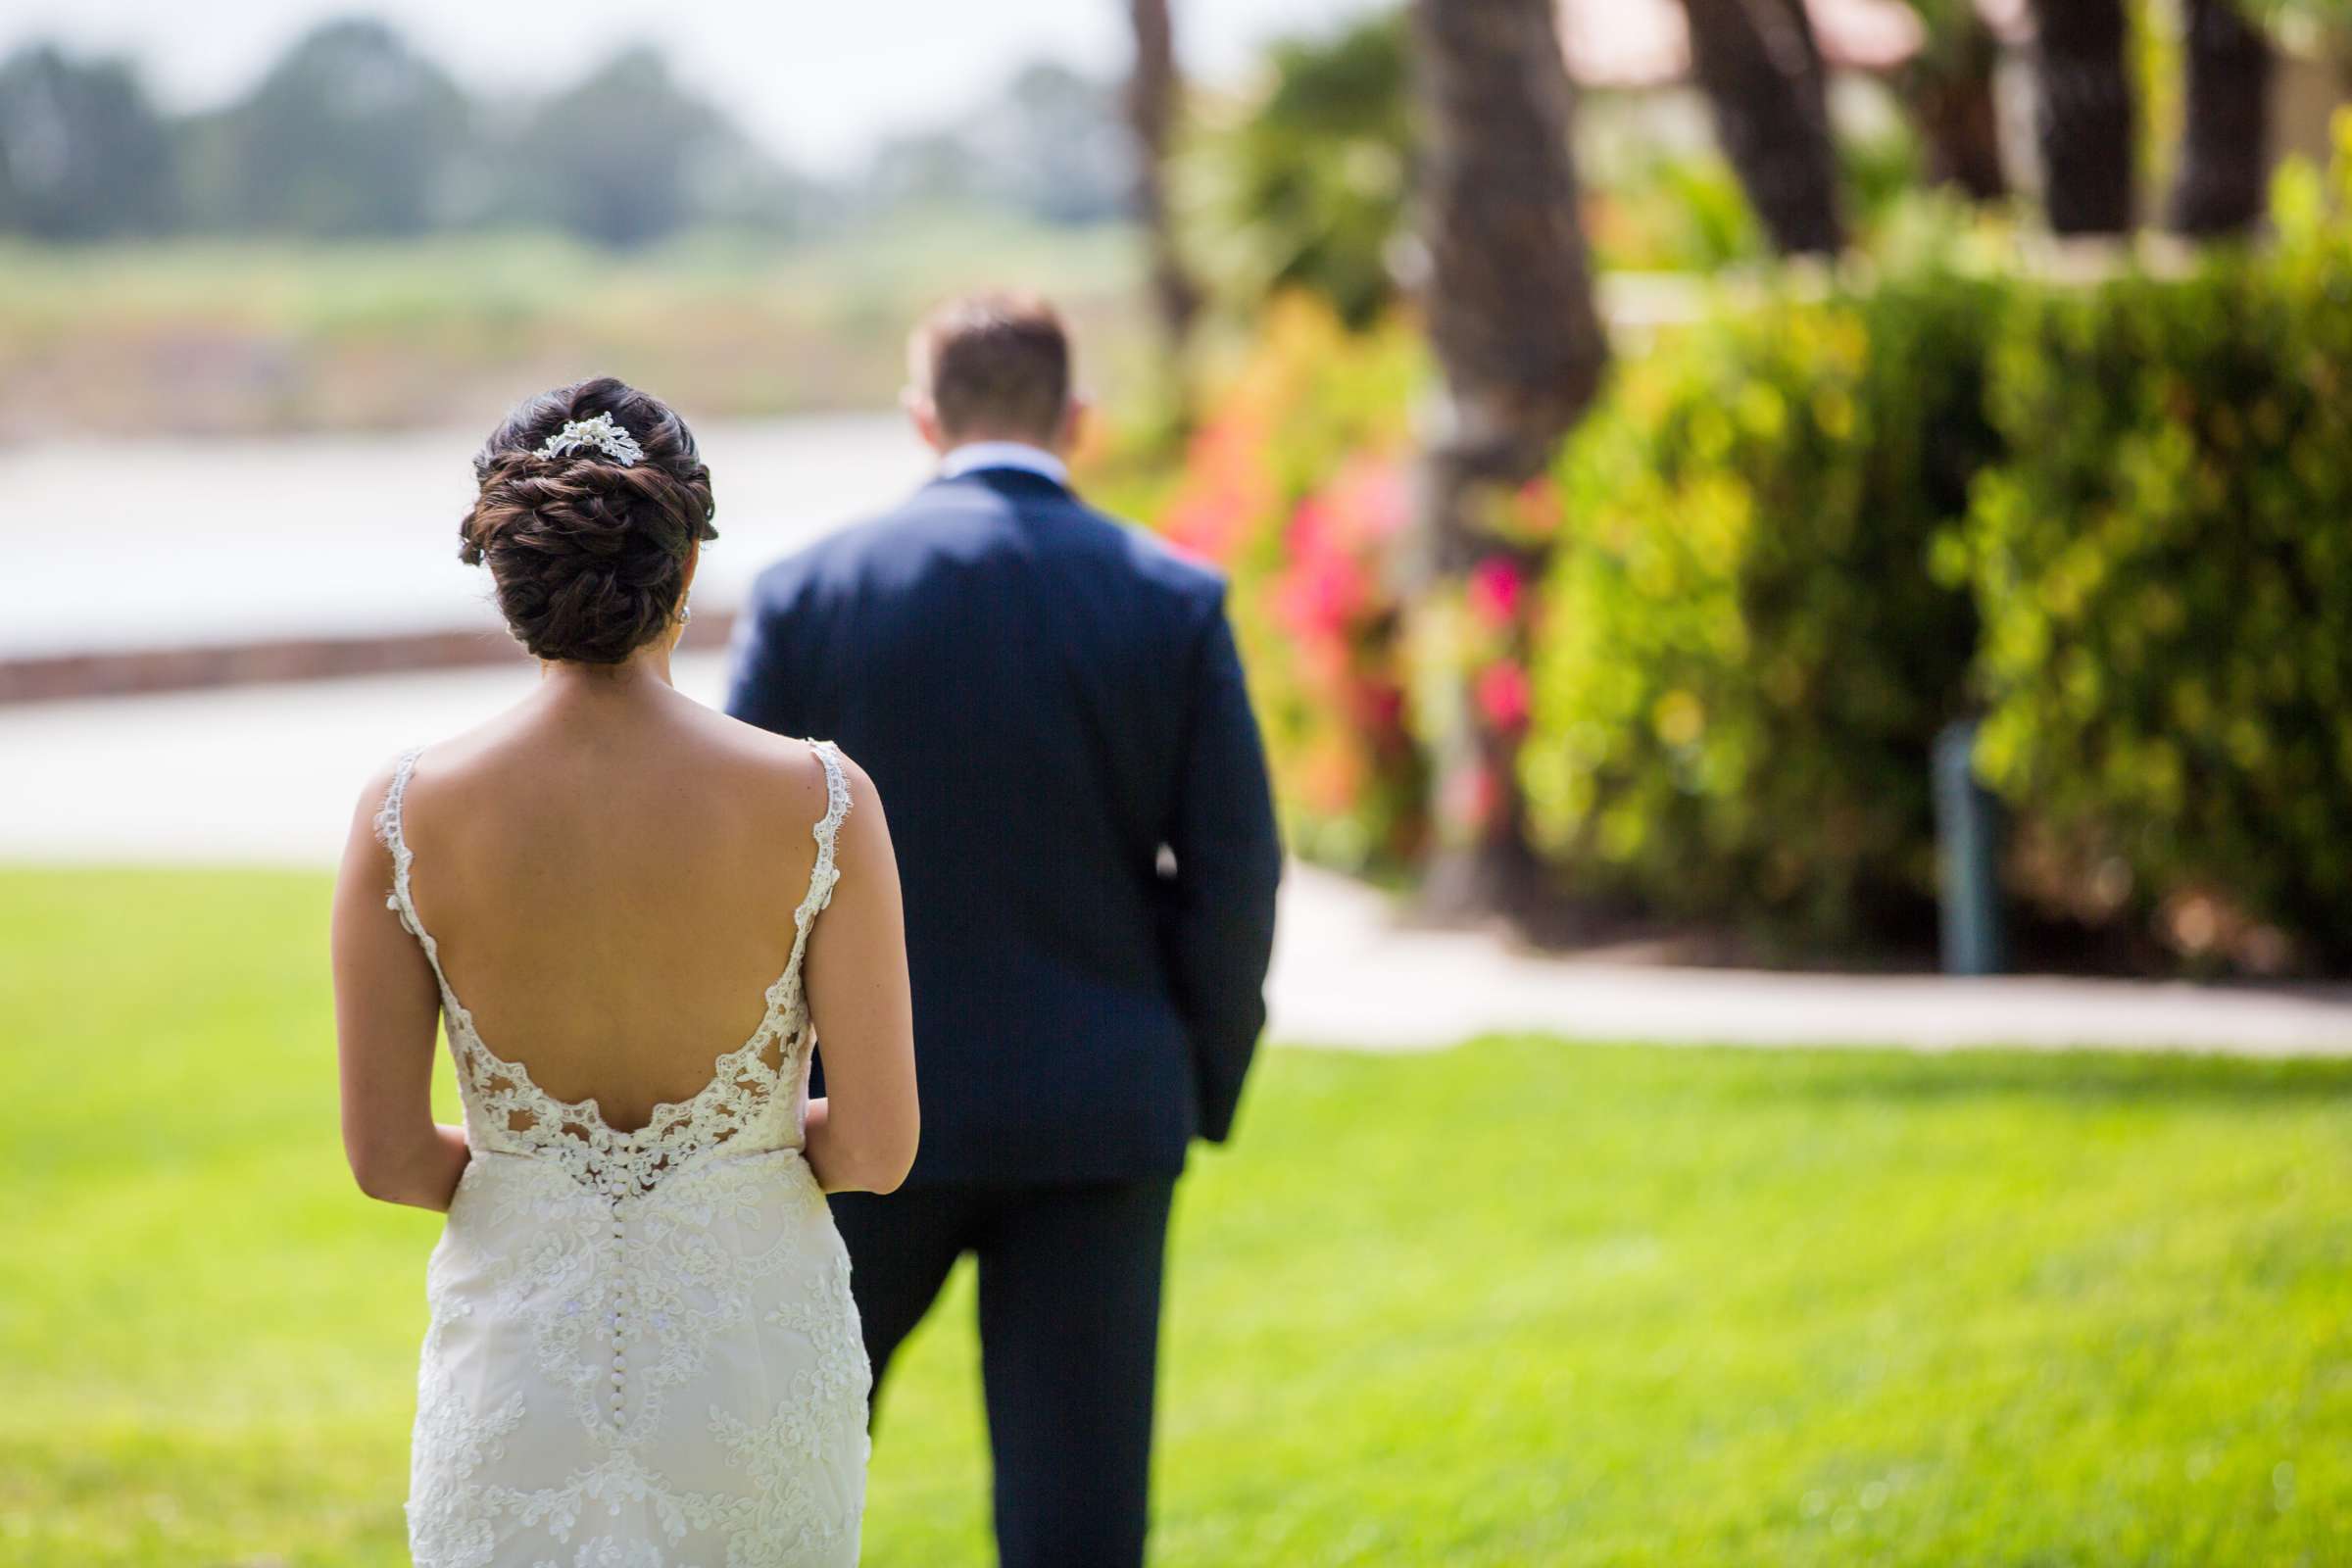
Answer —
642 1351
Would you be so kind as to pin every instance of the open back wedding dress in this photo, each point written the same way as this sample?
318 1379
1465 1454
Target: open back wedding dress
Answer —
642 1351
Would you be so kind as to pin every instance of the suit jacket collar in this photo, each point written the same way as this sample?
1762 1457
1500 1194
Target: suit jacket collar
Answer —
974 456
1013 484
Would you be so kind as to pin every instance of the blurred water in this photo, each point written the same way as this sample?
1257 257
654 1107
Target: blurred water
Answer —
146 544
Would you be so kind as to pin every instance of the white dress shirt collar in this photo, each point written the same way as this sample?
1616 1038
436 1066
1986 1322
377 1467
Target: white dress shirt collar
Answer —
974 456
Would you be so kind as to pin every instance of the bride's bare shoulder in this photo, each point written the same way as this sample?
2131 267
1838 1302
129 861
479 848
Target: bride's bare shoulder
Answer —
443 759
785 768
366 838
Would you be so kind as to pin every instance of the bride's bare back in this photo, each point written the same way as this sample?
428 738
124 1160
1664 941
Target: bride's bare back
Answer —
610 872
612 882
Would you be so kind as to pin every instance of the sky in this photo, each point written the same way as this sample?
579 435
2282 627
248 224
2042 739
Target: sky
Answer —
817 81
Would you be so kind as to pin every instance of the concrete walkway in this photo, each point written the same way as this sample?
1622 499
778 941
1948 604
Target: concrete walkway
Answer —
1348 973
269 775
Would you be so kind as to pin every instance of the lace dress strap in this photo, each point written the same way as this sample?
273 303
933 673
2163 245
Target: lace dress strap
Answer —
391 832
825 874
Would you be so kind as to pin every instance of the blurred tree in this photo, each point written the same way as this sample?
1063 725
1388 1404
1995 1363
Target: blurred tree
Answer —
1053 146
82 155
2083 115
1948 86
1303 186
1760 67
1508 298
1153 88
1050 143
924 169
629 157
2224 179
351 134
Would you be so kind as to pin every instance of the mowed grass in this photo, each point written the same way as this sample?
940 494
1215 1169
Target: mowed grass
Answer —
1524 1302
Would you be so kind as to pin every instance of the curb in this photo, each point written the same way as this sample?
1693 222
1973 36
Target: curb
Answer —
70 677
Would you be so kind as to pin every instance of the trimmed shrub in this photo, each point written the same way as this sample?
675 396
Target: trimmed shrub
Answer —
1744 657
2165 570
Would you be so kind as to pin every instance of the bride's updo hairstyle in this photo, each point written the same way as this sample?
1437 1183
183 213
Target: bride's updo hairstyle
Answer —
593 500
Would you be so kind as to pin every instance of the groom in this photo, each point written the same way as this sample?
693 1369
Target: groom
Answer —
1052 710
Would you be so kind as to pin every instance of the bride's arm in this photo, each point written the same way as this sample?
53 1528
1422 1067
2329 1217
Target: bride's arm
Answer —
387 1008
861 1136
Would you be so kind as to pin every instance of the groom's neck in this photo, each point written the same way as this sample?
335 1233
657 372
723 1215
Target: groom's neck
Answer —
1019 439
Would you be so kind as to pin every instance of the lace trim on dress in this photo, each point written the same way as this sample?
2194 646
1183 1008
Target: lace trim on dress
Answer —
506 1110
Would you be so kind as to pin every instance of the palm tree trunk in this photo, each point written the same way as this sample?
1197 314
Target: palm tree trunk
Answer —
2224 150
2083 116
1760 69
1509 300
1152 92
1952 98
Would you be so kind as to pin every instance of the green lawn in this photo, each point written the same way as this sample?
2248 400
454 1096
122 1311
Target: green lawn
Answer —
1520 1303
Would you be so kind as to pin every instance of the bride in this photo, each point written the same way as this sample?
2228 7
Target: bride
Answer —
634 917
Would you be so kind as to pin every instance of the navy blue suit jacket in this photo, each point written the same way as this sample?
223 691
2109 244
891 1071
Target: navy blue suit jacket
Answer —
1046 700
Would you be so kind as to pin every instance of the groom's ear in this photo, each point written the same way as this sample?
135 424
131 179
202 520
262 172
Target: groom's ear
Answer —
924 414
1074 414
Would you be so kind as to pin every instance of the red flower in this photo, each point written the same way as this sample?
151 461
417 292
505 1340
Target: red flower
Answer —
1503 695
1497 587
1380 707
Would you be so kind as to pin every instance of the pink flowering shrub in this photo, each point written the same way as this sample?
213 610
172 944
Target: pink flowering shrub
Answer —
1298 484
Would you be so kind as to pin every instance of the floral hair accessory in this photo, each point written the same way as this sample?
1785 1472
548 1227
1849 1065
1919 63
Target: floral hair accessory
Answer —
601 433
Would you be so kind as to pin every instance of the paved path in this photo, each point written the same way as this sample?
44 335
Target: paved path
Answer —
267 774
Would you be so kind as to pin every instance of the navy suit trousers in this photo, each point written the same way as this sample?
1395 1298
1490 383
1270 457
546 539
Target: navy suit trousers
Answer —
1069 1334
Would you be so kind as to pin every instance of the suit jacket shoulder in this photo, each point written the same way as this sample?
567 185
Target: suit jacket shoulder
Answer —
827 561
1191 588
1153 557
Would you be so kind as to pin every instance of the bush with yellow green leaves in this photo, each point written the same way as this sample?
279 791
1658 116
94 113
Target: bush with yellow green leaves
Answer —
2164 564
1744 654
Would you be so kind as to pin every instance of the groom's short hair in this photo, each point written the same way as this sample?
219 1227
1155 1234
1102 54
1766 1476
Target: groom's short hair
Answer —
995 362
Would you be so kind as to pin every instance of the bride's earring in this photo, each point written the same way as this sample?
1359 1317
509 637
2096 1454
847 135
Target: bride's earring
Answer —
685 610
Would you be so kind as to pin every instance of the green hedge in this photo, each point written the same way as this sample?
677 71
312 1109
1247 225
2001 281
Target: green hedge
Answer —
1788 523
1743 655
2165 570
